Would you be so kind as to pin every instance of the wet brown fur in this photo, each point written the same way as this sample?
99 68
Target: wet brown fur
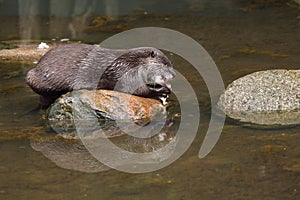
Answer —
82 66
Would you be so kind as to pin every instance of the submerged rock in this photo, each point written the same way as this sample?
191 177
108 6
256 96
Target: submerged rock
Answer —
113 112
269 98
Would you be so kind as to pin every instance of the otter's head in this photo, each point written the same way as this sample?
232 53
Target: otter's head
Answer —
144 71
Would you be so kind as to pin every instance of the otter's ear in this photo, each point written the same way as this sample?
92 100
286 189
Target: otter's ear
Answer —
152 54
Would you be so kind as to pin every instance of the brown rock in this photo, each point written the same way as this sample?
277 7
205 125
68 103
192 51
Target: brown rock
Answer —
123 106
104 107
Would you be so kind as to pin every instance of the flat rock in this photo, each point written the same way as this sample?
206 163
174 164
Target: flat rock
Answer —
105 109
25 52
269 98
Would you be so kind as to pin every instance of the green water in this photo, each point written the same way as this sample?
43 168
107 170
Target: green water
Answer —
246 163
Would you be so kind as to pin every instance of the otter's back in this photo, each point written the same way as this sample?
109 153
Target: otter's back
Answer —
58 68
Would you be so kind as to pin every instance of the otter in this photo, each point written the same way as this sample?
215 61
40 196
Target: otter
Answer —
143 71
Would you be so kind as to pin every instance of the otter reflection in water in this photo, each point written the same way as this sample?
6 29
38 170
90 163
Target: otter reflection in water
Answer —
72 153
143 71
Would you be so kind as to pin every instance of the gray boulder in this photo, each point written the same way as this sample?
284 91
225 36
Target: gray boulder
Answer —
268 98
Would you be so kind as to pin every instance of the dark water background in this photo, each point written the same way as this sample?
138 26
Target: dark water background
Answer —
241 36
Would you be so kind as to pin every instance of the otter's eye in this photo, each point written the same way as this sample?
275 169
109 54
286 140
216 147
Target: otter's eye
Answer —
152 54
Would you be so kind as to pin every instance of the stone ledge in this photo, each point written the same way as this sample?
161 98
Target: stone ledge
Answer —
27 51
